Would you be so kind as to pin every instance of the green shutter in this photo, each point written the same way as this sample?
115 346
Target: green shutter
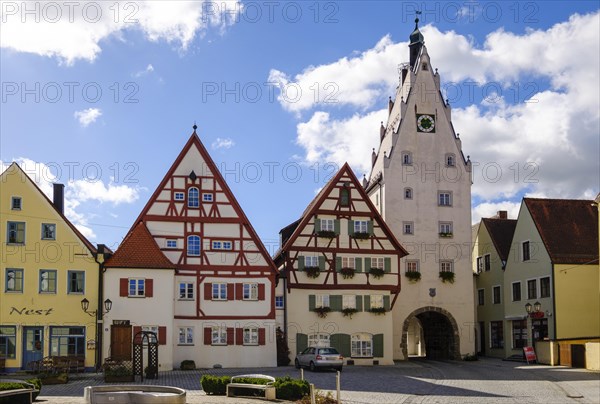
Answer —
321 263
358 264
301 342
359 301
367 303
378 346
336 226
386 302
301 263
370 227
341 342
367 264
351 227
338 264
311 303
335 302
317 225
387 265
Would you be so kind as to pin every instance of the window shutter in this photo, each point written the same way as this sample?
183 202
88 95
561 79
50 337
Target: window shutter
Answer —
311 302
239 336
338 263
321 263
239 291
300 263
351 227
359 303
136 329
386 302
387 265
208 291
367 264
301 342
370 227
230 291
230 336
335 302
341 342
261 336
378 345
261 291
123 287
317 225
162 335
149 287
358 264
367 303
207 336
336 226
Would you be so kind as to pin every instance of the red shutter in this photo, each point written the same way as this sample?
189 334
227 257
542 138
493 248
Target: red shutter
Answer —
207 336
230 295
136 329
149 287
162 335
230 336
239 291
123 287
261 291
239 336
208 291
261 336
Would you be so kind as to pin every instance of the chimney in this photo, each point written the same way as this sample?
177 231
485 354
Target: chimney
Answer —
502 214
381 132
59 197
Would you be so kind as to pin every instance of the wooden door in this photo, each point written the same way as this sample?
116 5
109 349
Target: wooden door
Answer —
120 342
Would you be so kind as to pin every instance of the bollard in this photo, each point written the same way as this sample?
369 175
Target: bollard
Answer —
312 393
301 374
337 386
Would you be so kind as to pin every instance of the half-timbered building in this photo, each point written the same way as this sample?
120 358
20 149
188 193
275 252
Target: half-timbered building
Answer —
340 277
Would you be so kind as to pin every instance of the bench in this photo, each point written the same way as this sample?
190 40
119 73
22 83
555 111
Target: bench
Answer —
16 396
267 388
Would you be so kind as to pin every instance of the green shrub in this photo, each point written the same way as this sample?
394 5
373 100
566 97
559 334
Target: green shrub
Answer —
188 365
291 389
283 351
38 386
215 385
118 371
12 386
51 378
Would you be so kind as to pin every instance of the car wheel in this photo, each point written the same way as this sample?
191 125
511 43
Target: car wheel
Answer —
312 366
297 364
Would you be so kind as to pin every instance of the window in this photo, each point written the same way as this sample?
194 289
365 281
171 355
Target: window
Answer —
250 291
540 328
150 328
377 263
186 335
47 281
8 342
207 197
450 160
250 336
327 225
480 297
219 291
532 289
279 302
222 245
171 243
487 262
219 336
193 245
179 196
48 231
67 341
519 333
446 266
136 287
525 251
516 291
14 280
318 340
344 197
361 226
408 227
76 282
412 266
349 262
496 295
408 193
376 301
479 264
445 228
445 199
407 158
348 302
227 245
311 262
186 290
16 203
193 198
16 232
321 301
496 334
362 346
545 287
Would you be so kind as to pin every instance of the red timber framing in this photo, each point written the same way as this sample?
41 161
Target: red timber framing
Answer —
305 239
217 206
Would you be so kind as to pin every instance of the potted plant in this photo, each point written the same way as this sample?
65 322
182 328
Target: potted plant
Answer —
361 235
326 233
118 374
449 234
349 311
447 276
378 310
347 273
151 372
413 276
322 311
312 272
377 272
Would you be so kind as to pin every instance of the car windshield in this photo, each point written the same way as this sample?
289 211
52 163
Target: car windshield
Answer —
328 351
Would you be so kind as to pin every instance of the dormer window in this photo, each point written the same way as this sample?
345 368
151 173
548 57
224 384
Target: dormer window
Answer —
344 197
450 160
193 198
407 158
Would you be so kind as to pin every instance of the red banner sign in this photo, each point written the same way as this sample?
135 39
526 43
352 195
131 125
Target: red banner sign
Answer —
539 314
529 354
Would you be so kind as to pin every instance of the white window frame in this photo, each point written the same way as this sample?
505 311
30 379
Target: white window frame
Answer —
44 228
16 230
450 160
311 261
207 197
446 266
446 227
188 336
250 291
537 292
408 228
349 262
377 262
188 252
218 335
549 287
186 290
318 340
322 300
361 226
494 294
12 203
279 302
407 158
139 286
412 266
348 302
361 345
376 301
328 224
482 292
250 335
479 262
179 196
221 291
512 291
443 200
522 251
167 241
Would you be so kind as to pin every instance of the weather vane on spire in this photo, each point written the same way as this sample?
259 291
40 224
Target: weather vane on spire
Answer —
417 14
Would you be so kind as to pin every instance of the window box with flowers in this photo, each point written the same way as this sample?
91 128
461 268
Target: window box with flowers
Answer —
378 310
312 272
326 234
347 273
377 272
446 235
361 235
413 276
447 276
349 312
322 311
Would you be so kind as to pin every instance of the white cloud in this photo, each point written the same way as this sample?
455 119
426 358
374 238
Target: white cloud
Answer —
226 143
74 30
86 190
149 69
488 209
87 116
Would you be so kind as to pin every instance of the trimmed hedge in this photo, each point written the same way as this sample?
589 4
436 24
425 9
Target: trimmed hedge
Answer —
215 385
291 389
286 388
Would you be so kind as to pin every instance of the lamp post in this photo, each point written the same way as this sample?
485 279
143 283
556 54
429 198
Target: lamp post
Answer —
99 314
532 311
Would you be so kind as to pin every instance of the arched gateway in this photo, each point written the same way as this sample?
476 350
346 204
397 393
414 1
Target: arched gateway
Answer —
439 332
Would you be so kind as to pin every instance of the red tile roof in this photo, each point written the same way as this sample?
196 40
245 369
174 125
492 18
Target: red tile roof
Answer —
501 232
139 250
568 228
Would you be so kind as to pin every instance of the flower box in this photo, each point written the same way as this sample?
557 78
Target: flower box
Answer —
378 310
347 273
312 272
361 235
377 272
326 234
446 276
413 276
448 235
349 312
322 311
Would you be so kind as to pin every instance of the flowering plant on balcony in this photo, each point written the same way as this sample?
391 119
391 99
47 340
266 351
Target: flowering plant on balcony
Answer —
361 235
413 276
348 311
449 234
378 310
326 233
377 272
347 273
312 272
447 276
322 311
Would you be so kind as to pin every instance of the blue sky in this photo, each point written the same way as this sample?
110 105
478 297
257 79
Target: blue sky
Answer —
522 78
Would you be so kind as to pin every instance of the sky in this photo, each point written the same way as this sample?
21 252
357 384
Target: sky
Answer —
102 96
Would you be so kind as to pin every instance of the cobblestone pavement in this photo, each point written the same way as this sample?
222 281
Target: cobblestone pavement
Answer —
414 382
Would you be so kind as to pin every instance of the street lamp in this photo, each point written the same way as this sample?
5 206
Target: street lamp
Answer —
85 305
531 312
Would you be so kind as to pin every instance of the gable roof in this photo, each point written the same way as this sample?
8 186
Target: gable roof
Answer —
568 228
79 235
139 250
501 232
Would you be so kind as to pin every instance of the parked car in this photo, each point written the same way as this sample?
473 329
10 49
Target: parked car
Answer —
319 357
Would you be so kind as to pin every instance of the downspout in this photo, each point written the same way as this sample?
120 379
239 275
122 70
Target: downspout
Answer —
554 320
99 310
285 307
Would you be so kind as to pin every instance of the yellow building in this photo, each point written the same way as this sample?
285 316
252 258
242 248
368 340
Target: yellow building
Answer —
47 268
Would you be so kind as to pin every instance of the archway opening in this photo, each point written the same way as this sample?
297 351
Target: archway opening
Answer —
432 333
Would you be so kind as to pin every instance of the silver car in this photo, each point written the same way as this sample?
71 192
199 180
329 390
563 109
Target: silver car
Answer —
315 357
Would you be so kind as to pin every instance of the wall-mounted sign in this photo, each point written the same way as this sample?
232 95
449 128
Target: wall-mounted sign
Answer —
121 322
30 312
91 344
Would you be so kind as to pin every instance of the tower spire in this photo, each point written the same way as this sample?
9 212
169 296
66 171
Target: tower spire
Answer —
416 42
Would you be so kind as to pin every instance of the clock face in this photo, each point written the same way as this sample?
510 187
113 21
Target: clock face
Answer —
425 123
